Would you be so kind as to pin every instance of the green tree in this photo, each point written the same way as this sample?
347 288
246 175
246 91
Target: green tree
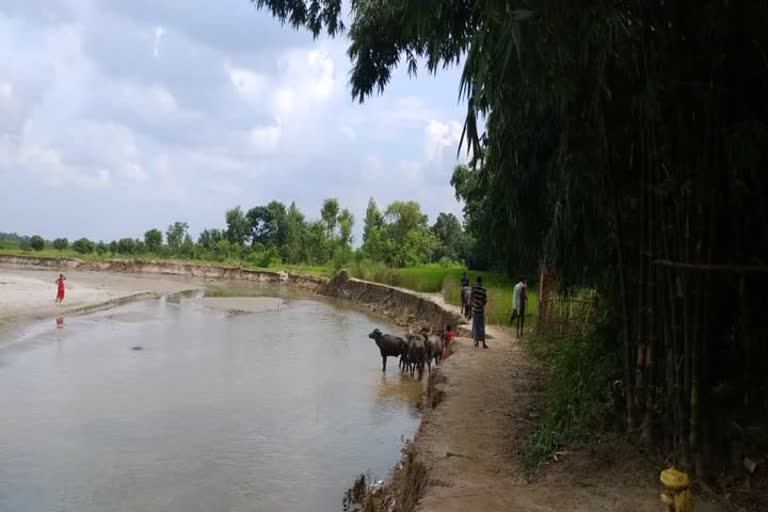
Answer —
317 245
60 244
153 241
373 246
268 224
209 238
238 226
113 247
83 246
295 233
102 248
449 232
174 236
37 243
346 223
126 246
330 216
408 240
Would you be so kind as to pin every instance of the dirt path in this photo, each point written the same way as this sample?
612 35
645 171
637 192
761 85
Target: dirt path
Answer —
470 444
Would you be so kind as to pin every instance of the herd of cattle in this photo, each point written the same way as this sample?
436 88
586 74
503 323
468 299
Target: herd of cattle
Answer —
414 349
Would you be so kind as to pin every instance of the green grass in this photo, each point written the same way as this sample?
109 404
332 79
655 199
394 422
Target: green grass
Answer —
436 278
580 370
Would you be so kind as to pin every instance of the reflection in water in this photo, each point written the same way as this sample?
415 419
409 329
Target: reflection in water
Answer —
398 388
276 410
59 322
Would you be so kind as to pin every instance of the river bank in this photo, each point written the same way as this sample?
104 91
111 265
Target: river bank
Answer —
478 407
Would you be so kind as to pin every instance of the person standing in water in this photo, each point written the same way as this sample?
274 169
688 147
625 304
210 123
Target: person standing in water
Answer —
519 301
478 299
60 291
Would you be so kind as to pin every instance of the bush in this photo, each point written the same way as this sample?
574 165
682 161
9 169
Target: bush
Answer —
84 246
579 374
101 247
126 246
60 244
264 257
37 243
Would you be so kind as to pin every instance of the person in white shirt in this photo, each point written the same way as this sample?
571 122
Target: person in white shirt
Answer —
519 300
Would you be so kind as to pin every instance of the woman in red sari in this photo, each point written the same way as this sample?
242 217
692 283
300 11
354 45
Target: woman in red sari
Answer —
60 292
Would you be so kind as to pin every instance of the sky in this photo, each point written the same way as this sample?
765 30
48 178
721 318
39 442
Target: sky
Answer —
119 116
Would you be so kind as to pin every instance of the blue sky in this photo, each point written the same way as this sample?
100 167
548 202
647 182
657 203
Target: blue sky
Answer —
118 116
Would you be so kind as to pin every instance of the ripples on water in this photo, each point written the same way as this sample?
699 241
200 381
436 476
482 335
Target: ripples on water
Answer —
223 409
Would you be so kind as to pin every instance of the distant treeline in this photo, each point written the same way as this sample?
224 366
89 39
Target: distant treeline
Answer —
273 234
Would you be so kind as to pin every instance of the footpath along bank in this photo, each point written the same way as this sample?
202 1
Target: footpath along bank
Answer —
476 411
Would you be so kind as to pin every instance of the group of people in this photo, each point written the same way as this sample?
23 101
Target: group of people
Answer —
473 301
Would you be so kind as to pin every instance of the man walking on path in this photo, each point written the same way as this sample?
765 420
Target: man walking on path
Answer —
478 299
519 300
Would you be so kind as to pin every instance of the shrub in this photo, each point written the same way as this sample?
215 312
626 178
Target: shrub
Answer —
37 243
60 244
84 246
126 246
580 371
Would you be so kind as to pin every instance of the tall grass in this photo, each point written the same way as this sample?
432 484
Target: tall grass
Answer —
580 370
435 278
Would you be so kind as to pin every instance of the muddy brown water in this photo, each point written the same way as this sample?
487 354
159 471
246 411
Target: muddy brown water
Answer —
275 405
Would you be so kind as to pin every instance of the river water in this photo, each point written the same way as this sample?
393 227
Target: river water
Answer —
231 404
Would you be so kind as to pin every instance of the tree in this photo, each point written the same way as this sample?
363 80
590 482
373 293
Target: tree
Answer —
126 246
408 240
187 247
267 223
330 215
113 247
346 223
84 246
448 230
37 243
60 244
238 226
153 241
101 248
373 233
209 238
317 245
174 236
295 228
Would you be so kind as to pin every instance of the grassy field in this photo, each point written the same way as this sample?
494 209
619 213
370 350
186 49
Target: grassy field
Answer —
436 278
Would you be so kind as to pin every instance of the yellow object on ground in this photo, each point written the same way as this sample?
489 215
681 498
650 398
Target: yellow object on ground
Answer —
676 494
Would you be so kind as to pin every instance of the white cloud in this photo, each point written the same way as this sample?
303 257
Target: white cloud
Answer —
159 33
6 92
195 127
250 84
439 136
265 139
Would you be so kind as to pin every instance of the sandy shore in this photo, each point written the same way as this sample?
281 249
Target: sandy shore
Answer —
28 295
